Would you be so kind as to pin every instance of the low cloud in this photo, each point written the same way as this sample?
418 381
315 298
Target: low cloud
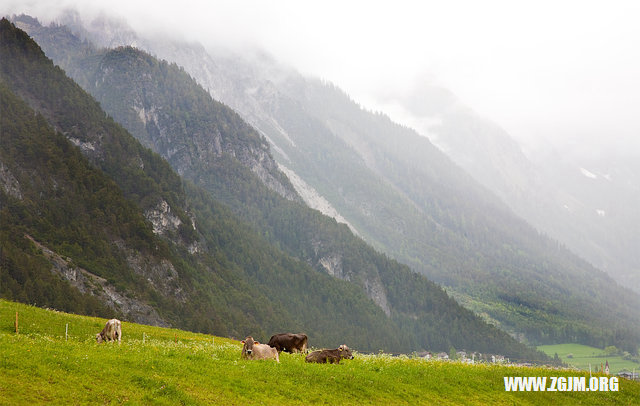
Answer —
561 74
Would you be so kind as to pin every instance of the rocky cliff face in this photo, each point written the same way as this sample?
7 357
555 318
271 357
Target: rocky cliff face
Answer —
262 164
331 261
167 224
9 183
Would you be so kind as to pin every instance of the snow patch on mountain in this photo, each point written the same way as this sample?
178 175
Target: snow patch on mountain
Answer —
588 174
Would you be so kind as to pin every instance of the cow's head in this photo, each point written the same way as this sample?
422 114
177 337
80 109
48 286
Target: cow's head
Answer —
99 338
345 352
248 342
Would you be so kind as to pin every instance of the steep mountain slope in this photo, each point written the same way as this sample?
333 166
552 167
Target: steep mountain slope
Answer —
227 279
548 191
90 222
586 203
405 197
499 259
599 217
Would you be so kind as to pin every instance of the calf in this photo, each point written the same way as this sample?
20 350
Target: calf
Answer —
112 331
330 356
289 342
254 350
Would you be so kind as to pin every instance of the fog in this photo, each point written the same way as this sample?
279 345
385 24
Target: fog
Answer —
553 74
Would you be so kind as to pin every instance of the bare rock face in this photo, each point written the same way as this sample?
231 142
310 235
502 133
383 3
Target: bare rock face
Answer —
161 275
369 280
162 219
166 224
376 292
260 162
333 265
9 183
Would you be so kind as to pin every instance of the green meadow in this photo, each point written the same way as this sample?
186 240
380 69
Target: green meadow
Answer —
41 364
582 356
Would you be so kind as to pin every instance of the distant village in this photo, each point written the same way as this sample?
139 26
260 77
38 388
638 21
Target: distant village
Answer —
476 357
470 358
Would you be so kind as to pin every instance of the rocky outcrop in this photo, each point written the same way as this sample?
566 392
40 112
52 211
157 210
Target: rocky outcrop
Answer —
9 183
370 281
162 219
371 284
375 290
333 265
260 162
166 224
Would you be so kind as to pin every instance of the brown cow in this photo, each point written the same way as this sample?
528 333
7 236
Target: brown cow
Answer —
112 331
289 342
254 350
330 356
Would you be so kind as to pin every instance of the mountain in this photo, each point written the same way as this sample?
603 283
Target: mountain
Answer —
405 197
436 218
113 214
598 218
585 201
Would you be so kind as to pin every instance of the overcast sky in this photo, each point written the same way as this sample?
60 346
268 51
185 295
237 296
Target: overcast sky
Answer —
560 72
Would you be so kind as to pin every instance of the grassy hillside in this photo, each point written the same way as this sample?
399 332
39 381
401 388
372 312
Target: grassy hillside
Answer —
175 367
583 356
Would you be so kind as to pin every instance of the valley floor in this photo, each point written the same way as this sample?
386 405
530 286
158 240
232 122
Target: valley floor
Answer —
584 357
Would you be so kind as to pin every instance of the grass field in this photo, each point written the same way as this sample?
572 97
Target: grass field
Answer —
583 356
38 365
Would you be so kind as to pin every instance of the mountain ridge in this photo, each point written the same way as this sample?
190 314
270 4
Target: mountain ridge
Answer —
282 117
549 189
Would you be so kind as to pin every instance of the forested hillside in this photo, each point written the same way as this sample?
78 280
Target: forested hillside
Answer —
116 212
407 199
468 239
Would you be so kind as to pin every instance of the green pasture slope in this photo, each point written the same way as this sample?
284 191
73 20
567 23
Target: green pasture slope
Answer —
38 365
584 355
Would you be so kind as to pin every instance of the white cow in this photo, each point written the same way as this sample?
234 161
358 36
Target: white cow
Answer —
254 350
112 331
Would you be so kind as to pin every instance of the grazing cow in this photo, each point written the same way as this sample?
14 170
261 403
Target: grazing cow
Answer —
289 342
112 331
330 356
254 350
